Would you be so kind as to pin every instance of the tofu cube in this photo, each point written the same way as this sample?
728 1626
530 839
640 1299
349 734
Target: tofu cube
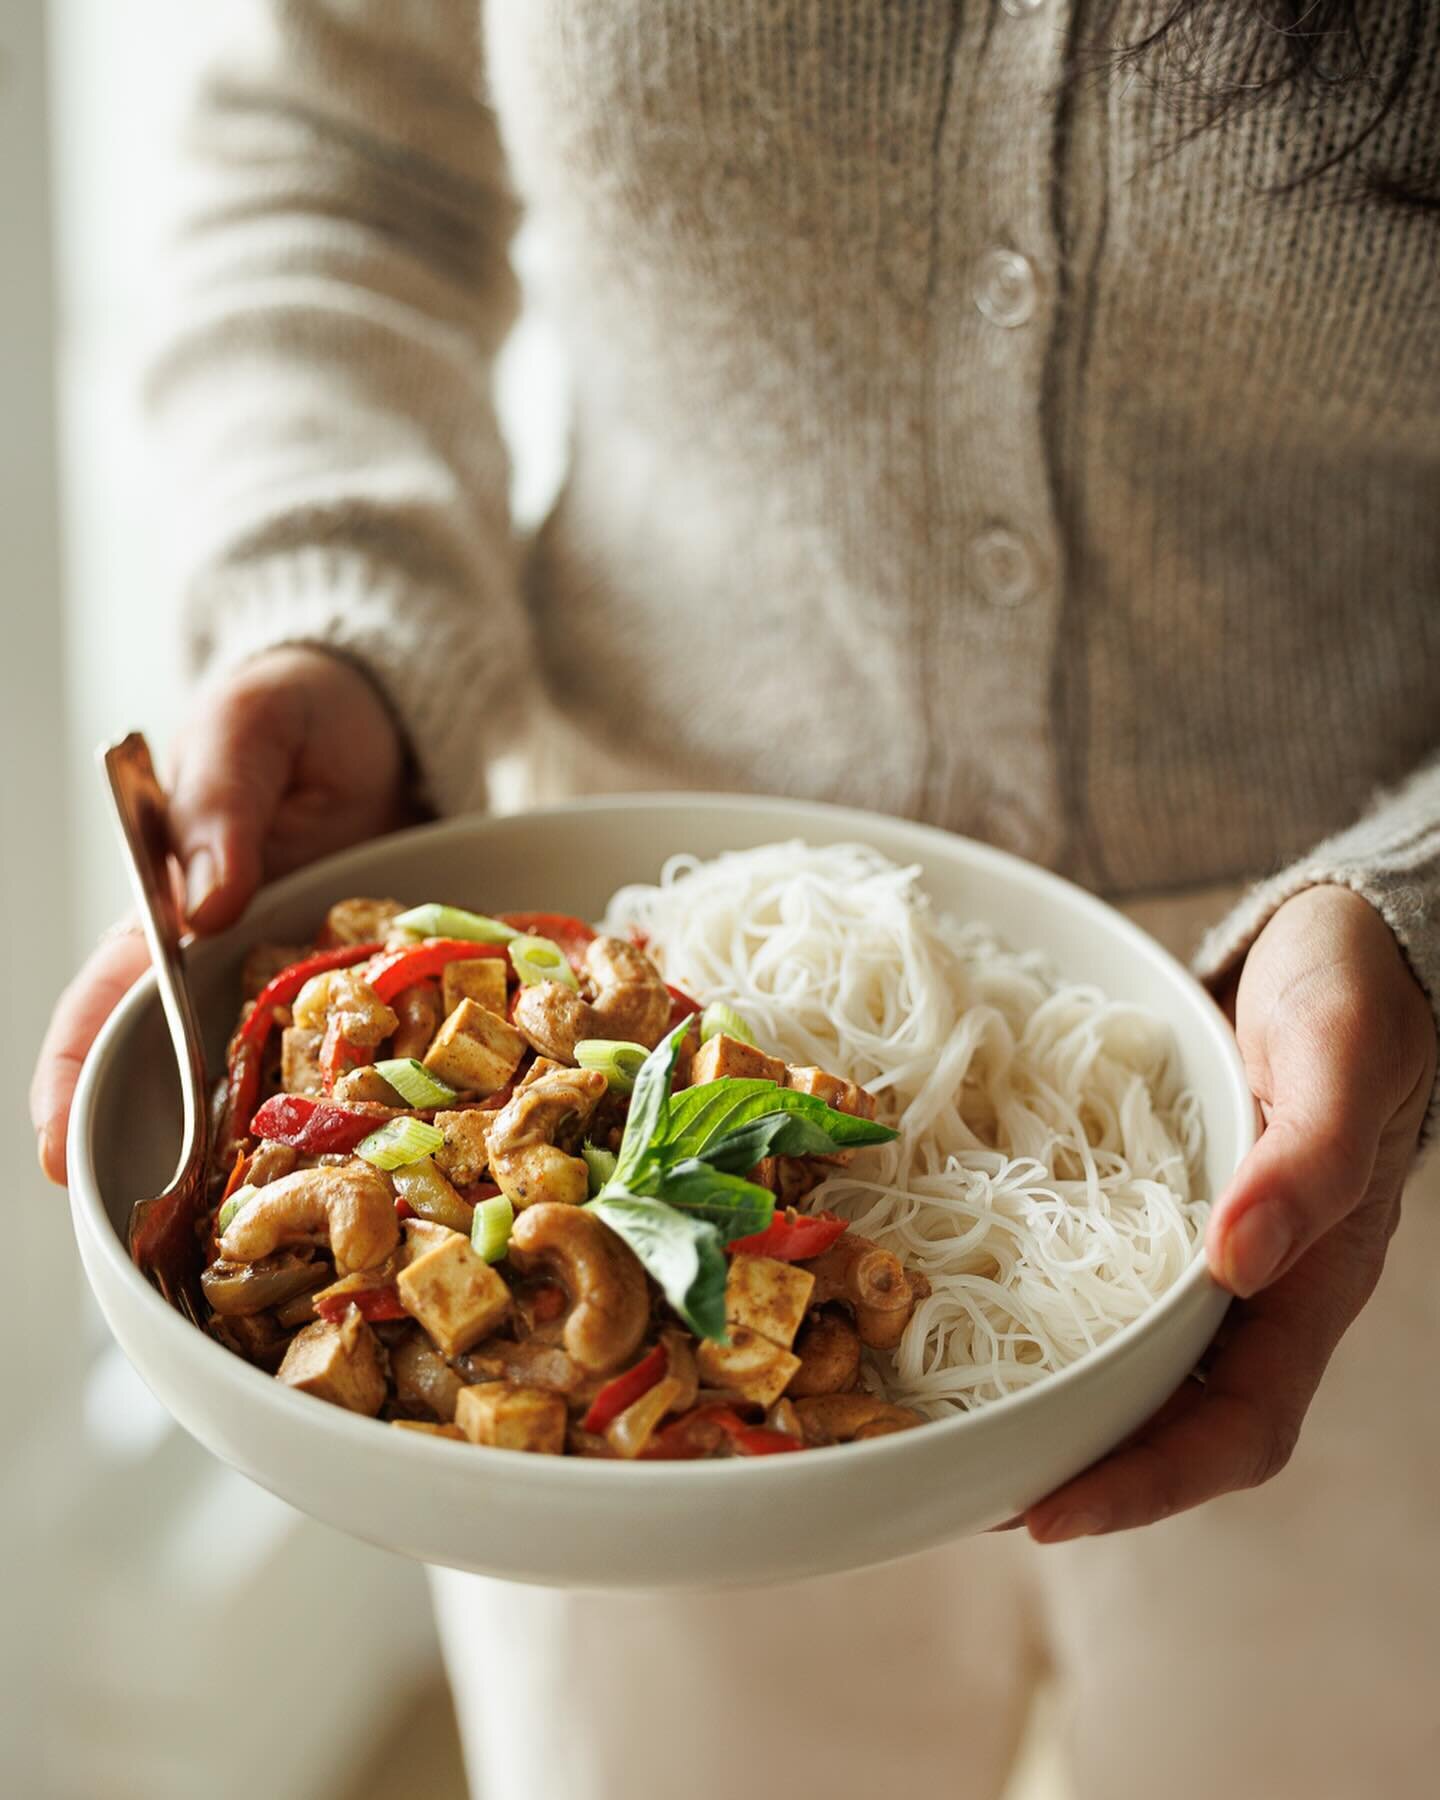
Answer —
300 1061
844 1096
724 1056
505 1417
454 1294
477 978
475 1050
768 1296
337 1362
464 1156
749 1365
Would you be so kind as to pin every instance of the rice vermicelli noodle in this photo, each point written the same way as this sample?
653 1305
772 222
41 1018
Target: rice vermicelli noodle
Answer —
1046 1178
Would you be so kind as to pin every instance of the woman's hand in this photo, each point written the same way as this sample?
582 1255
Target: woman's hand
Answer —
292 756
1339 1043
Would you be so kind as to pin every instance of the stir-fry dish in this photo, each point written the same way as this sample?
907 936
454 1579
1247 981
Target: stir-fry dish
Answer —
489 1178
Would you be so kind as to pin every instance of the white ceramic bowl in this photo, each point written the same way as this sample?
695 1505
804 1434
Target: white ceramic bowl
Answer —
576 1522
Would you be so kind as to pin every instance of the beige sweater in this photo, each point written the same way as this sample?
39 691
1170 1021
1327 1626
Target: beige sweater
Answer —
940 444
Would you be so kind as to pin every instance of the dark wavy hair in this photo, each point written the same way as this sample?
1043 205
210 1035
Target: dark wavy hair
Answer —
1218 57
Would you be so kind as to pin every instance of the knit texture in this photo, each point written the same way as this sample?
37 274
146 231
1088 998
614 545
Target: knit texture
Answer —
948 438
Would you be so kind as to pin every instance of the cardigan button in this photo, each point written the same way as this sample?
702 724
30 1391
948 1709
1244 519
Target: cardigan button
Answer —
1003 566
1005 288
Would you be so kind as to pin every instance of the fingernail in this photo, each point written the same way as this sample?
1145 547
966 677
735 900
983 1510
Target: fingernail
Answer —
200 881
1070 1525
1255 1246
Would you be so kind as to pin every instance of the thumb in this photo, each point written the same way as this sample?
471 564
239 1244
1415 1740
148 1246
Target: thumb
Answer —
232 770
1326 1099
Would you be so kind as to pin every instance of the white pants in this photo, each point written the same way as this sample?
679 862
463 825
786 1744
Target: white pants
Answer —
1276 1645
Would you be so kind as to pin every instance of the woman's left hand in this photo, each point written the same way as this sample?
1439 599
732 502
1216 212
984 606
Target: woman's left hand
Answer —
1339 1043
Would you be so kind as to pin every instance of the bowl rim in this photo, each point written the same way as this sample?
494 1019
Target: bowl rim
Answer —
94 1227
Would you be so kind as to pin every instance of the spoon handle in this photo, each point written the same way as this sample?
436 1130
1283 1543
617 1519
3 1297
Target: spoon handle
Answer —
144 822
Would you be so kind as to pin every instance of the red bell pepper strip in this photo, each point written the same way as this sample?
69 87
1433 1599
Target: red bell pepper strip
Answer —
338 1055
681 1006
247 1047
373 1304
396 970
792 1236
762 1440
625 1389
314 1127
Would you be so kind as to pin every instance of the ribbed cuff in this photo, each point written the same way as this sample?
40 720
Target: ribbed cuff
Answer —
1390 859
421 646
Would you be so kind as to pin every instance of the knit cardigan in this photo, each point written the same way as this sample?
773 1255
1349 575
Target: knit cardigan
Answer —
949 437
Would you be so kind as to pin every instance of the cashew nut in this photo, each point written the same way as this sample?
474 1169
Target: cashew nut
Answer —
876 1284
350 1207
849 1418
610 1303
524 1160
631 1003
418 1010
829 1352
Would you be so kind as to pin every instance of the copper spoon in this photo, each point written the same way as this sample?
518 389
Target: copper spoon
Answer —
162 1236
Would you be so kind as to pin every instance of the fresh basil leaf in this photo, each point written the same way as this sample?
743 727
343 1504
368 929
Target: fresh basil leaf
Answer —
682 1254
701 1115
737 1208
774 1134
645 1121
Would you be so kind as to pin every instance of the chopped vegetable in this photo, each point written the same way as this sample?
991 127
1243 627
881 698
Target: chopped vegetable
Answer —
570 933
536 959
718 1017
430 1196
762 1440
792 1237
490 1227
399 969
436 921
399 1142
617 1061
338 1055
313 1127
374 1304
681 1006
414 1083
628 1435
625 1389
600 1163
233 1204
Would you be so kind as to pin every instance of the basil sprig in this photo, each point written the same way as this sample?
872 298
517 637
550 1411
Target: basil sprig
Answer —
678 1194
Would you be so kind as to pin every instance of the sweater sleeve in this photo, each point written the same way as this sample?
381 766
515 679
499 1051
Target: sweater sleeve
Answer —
339 288
1391 858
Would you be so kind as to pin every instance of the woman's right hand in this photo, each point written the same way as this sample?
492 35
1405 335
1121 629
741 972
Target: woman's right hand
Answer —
292 756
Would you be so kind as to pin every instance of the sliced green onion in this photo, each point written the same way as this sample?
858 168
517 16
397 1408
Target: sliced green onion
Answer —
600 1163
539 959
719 1019
240 1198
490 1227
435 921
617 1061
414 1083
400 1141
